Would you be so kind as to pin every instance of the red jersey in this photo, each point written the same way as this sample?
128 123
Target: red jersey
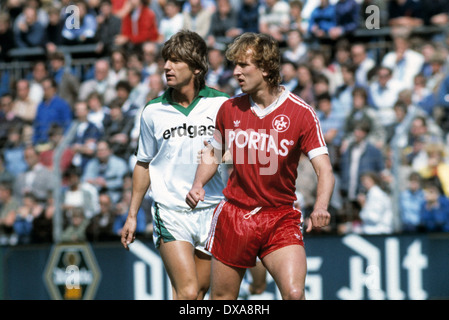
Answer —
266 146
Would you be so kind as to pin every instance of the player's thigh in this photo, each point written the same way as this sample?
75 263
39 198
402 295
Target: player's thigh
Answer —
225 280
288 267
179 261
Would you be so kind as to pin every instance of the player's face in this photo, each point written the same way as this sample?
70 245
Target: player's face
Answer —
178 74
248 75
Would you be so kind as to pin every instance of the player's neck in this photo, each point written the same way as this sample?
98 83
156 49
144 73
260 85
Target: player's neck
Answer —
267 97
183 96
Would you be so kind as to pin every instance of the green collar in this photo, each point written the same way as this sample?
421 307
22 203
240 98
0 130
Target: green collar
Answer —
204 92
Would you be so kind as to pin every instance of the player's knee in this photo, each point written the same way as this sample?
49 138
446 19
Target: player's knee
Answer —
294 293
257 288
188 293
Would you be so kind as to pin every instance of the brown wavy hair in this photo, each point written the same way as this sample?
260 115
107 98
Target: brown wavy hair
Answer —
265 54
189 47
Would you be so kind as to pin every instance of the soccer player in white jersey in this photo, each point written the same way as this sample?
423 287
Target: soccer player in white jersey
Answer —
266 129
173 129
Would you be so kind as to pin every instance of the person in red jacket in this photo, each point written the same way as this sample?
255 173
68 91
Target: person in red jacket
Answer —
138 25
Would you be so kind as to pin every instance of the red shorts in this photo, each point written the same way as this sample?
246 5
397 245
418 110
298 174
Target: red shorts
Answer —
237 238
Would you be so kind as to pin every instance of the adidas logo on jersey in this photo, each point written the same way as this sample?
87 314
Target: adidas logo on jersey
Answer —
190 131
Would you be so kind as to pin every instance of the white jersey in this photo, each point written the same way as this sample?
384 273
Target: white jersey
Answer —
171 137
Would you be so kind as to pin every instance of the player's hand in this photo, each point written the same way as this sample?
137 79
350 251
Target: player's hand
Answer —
128 232
195 195
318 219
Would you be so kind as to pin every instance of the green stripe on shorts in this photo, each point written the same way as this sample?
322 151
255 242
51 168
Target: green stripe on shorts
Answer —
162 231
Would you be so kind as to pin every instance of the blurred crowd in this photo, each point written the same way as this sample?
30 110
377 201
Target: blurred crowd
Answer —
382 99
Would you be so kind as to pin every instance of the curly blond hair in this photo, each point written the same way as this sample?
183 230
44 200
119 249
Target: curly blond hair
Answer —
264 51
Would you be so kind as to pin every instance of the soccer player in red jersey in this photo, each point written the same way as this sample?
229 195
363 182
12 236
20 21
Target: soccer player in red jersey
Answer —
266 129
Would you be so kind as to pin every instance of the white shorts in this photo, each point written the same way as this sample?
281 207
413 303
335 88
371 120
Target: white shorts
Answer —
186 225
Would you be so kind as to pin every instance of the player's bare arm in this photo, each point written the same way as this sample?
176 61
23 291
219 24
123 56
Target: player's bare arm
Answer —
320 216
141 183
205 171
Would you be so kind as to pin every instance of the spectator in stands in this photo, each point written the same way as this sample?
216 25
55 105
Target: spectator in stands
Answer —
305 84
427 49
78 194
38 74
108 27
118 69
139 90
171 22
138 26
443 105
437 71
100 83
404 62
405 13
198 18
52 109
410 202
436 12
13 152
288 74
363 63
76 230
419 136
5 175
25 107
6 36
87 134
68 84
56 133
100 227
342 99
41 12
53 30
331 122
296 48
157 86
274 19
98 112
347 19
422 127
322 20
248 17
29 209
29 32
106 171
376 212
8 118
435 209
383 93
218 74
117 130
150 54
437 167
360 156
37 179
223 25
320 85
83 28
296 19
42 230
341 56
129 108
398 129
318 61
421 96
9 205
